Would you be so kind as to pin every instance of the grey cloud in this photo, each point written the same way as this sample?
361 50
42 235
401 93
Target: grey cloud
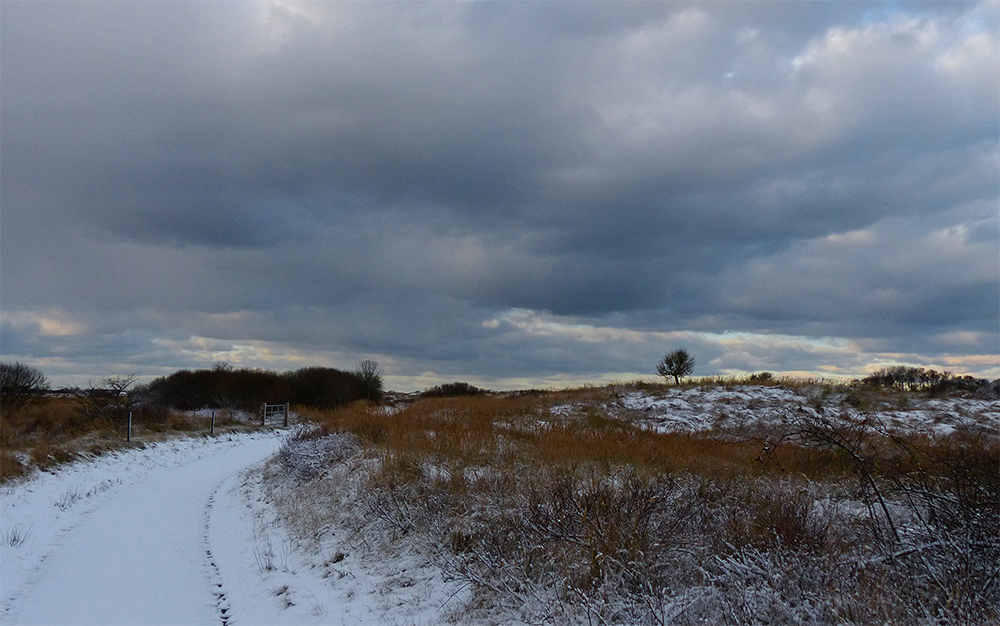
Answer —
892 274
399 170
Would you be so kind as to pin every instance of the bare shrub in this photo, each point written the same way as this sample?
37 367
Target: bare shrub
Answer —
370 376
111 400
933 512
921 379
20 386
308 451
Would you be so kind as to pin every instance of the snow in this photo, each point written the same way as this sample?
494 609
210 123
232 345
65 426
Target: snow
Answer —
186 532
334 560
208 530
718 408
120 539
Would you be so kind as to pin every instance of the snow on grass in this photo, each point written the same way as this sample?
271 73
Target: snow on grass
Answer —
328 560
301 539
720 408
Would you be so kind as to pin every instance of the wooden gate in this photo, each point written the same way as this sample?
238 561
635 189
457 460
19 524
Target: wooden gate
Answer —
274 414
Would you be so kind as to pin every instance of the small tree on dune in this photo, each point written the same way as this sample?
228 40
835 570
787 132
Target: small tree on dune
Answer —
677 364
370 376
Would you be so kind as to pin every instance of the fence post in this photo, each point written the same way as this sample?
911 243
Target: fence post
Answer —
128 435
286 415
263 414
213 421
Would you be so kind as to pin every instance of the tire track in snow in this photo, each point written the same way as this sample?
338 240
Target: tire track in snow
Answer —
139 557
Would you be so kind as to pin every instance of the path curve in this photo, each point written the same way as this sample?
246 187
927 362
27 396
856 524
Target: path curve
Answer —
140 558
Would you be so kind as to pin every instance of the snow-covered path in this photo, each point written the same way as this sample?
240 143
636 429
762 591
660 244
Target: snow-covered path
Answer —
137 552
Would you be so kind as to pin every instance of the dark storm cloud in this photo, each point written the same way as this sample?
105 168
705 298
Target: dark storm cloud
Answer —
348 179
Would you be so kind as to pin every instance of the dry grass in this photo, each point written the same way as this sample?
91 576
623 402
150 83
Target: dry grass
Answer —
54 419
548 504
504 433
10 466
57 430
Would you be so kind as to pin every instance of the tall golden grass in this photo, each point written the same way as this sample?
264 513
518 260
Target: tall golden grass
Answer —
57 430
504 433
552 503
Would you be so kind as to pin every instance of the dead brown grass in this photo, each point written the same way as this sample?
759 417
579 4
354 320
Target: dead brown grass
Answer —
53 419
57 430
501 433
10 466
554 500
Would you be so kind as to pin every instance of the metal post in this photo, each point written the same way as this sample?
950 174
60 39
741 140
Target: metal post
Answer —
263 414
286 415
213 421
128 436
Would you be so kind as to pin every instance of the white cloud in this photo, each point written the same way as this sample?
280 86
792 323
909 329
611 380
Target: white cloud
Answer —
52 322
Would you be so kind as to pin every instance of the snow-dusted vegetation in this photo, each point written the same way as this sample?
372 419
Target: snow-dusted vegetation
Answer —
642 504
715 502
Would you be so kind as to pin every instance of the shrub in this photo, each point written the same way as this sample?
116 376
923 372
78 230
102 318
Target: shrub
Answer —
920 379
20 386
247 389
677 364
370 376
324 387
450 390
112 401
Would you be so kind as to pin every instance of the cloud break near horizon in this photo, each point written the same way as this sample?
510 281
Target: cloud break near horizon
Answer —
513 194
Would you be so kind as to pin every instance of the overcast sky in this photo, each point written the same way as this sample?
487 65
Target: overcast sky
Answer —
506 193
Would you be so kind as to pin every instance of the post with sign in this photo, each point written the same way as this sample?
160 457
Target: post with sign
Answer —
271 413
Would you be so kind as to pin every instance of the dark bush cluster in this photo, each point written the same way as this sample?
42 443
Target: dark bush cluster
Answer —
247 389
453 390
21 385
920 379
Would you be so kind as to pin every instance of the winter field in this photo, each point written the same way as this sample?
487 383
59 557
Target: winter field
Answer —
628 504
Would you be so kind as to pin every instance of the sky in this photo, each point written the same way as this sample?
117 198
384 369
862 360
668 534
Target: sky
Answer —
512 194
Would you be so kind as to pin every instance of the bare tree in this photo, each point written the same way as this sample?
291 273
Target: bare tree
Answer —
112 400
20 386
677 364
370 376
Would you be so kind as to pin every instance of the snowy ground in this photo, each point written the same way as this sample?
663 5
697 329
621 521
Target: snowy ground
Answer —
188 531
739 407
123 538
182 532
